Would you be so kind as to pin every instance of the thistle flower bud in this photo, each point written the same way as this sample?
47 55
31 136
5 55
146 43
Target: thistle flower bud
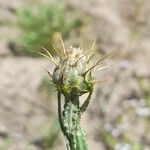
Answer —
72 77
69 76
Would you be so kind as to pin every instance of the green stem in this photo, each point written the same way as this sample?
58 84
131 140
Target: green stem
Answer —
59 110
71 120
86 103
61 120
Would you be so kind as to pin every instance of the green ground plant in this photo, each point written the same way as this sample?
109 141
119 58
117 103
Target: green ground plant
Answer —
39 22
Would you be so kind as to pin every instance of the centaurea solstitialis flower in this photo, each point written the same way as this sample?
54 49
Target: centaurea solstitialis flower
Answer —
72 78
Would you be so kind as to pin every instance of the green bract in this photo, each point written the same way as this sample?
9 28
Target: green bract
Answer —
69 76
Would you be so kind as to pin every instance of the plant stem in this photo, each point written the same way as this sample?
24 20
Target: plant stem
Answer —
70 124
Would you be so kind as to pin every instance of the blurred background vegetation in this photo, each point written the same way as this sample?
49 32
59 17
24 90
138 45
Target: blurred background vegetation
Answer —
39 22
119 114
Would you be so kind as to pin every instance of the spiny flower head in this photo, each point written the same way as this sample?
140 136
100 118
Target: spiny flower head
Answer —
72 75
69 76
